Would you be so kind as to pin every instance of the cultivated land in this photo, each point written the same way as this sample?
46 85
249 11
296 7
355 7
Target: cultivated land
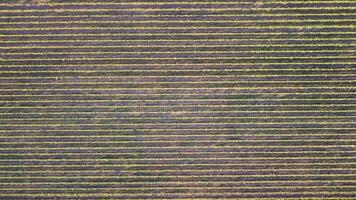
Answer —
178 99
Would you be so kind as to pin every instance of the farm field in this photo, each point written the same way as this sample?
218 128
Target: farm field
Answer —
178 99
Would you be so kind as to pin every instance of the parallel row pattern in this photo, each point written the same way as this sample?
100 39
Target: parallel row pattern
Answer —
177 99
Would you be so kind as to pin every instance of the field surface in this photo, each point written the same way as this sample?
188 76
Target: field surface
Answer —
178 99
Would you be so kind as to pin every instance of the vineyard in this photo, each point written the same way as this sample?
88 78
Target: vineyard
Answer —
176 99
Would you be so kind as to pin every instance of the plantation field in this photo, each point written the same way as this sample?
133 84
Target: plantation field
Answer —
178 99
